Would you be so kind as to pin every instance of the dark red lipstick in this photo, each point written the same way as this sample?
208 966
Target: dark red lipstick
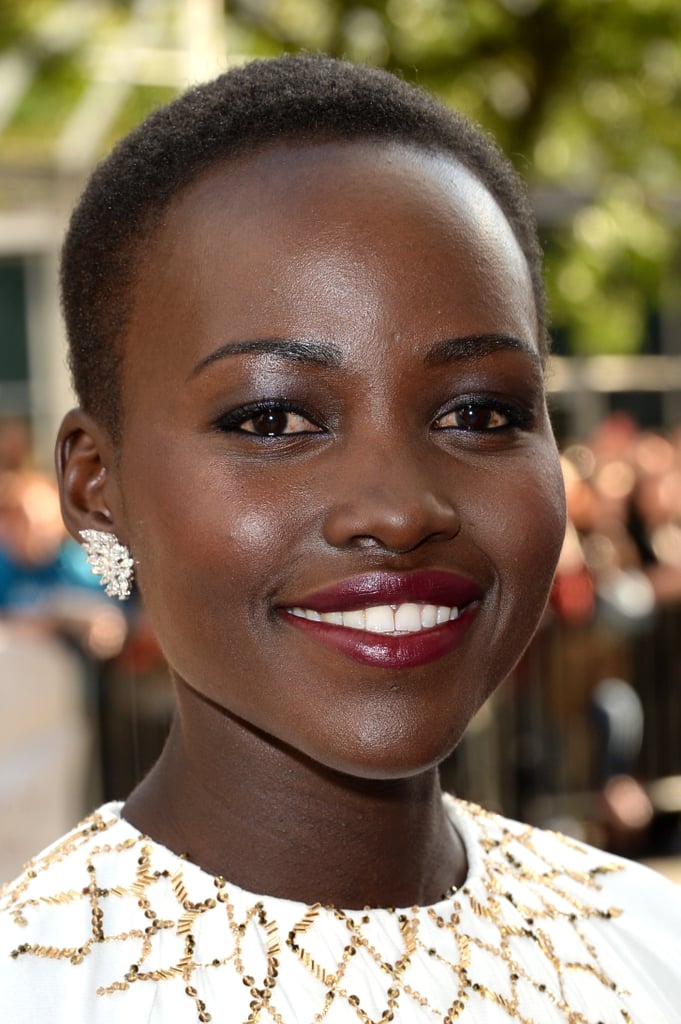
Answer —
433 587
389 650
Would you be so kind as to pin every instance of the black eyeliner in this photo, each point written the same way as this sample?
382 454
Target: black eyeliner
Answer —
233 420
520 416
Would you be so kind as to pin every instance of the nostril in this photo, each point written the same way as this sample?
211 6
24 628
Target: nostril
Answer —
401 542
368 512
399 534
365 542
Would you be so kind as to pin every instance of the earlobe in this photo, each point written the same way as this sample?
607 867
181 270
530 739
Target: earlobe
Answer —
87 486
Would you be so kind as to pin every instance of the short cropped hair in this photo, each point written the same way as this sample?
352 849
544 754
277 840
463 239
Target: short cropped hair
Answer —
293 98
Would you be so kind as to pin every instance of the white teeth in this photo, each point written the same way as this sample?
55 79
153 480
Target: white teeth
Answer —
401 618
428 616
335 618
408 618
380 619
354 620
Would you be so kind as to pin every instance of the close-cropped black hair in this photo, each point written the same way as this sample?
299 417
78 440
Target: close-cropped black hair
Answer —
291 98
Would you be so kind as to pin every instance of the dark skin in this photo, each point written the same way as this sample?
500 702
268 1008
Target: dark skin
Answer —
390 434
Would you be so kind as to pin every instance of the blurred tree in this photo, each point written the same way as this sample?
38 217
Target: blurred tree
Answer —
583 94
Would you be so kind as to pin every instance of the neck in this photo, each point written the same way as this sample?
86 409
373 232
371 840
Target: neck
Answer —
271 821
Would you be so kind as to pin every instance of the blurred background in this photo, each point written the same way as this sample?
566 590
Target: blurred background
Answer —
585 97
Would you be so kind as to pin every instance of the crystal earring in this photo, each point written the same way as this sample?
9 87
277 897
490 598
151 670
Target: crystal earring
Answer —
111 560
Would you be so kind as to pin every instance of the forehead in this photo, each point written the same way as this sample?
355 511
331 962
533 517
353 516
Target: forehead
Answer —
306 236
313 185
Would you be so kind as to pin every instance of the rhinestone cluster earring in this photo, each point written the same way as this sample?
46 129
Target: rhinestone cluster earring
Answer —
110 560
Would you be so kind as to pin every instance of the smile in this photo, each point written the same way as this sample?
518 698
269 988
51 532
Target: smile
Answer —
391 620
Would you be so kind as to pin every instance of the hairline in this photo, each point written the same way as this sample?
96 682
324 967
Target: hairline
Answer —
267 104
158 214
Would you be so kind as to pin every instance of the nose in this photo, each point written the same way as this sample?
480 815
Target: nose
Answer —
397 501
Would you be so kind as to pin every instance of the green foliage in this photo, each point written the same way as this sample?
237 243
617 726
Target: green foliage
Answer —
139 103
56 85
583 95
18 18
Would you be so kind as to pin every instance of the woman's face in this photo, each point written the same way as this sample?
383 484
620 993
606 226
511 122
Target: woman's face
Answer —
333 402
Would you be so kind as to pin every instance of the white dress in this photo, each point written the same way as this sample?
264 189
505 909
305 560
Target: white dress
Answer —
108 926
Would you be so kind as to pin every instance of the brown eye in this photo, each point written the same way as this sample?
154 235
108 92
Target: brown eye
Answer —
474 417
275 422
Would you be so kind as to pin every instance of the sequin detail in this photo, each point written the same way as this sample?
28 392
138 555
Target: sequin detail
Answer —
521 935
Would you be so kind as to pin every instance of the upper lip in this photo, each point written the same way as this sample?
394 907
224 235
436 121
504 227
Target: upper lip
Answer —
435 586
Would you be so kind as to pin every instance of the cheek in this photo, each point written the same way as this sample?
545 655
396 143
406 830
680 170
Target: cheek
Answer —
201 535
550 514
525 528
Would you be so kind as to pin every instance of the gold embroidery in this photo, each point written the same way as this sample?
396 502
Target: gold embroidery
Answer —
518 901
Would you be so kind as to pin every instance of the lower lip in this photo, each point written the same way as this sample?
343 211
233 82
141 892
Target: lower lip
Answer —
384 650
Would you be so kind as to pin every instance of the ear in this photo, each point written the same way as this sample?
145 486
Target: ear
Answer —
86 474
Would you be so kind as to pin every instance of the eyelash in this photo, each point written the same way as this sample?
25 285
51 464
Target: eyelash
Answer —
517 417
233 422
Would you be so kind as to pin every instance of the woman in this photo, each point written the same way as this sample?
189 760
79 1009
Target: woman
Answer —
306 326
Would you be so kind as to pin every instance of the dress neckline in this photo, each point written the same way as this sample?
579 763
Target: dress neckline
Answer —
461 823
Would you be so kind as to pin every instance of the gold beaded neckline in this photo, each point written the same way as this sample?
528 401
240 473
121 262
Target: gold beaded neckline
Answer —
521 936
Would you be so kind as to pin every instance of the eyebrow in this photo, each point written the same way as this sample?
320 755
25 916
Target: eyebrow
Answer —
474 345
303 350
328 354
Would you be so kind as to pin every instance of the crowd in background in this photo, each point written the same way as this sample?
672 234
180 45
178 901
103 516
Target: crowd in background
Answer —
597 697
82 681
623 489
56 629
45 584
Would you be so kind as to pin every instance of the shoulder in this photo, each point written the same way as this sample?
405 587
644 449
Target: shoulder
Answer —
624 914
542 856
60 858
51 921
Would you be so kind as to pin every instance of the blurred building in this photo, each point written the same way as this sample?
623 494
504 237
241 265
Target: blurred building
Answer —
89 72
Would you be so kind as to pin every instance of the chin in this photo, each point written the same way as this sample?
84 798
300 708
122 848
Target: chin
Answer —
383 753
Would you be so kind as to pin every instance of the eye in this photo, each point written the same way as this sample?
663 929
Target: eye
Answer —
270 420
478 417
274 422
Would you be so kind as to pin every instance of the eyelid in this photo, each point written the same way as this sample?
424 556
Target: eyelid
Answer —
233 420
520 415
